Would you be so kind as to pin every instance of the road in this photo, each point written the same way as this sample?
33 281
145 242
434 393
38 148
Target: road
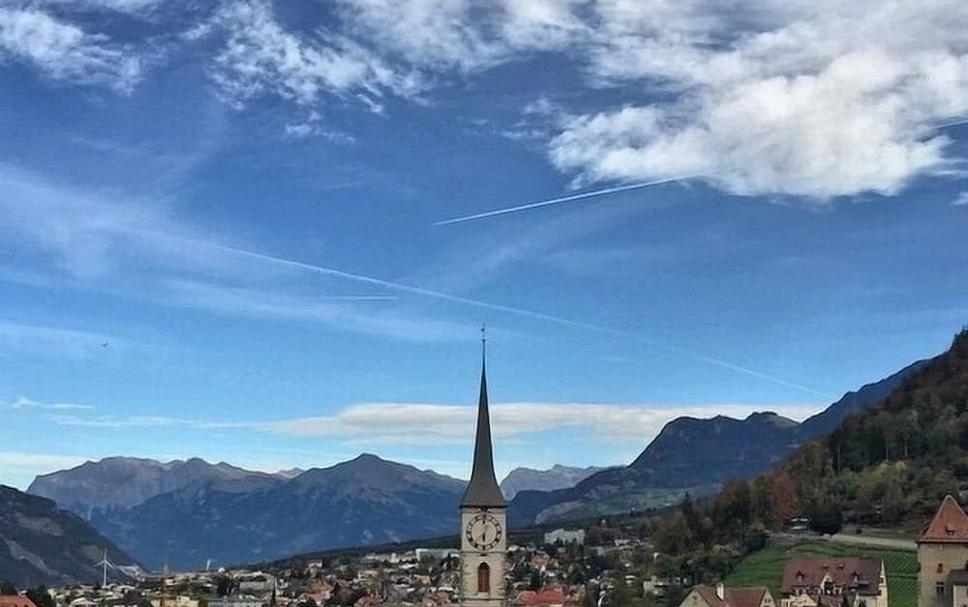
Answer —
873 541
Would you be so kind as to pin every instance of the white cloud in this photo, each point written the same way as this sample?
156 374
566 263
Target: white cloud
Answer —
23 404
122 6
463 36
417 423
768 98
804 99
402 423
259 56
439 35
64 51
961 200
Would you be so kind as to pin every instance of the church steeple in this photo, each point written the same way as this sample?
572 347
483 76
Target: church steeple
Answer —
482 490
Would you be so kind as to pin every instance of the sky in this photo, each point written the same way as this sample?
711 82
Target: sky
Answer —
268 232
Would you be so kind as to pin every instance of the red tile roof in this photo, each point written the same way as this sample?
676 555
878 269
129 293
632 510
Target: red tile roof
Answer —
950 524
15 600
750 596
808 573
549 596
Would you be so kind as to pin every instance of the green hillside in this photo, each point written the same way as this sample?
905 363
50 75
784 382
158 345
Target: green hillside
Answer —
765 568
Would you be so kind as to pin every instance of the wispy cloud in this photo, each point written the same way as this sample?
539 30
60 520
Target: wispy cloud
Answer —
64 51
961 200
416 423
102 240
24 404
261 57
805 100
340 312
24 464
140 421
535 315
94 236
41 339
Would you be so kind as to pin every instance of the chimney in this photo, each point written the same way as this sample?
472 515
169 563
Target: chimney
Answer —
721 591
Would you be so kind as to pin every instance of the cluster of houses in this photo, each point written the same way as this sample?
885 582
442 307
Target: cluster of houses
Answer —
807 582
429 577
862 582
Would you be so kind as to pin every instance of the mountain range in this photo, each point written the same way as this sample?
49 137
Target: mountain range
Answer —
43 544
556 477
231 515
694 456
113 484
185 512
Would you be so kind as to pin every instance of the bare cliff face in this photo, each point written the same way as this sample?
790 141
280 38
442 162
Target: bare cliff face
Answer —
556 477
121 483
42 544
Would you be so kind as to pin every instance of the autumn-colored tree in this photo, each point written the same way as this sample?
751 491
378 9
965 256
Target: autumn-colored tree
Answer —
783 497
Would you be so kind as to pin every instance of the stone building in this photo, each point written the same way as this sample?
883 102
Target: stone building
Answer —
483 519
943 558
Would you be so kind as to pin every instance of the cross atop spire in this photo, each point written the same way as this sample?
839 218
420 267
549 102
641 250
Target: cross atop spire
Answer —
483 490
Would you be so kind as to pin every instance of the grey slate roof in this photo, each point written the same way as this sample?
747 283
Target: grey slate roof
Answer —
482 490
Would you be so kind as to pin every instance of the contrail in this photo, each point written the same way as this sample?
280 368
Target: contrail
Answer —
957 121
560 200
396 286
359 297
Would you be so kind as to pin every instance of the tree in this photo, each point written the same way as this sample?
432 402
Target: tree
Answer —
7 588
783 497
826 516
755 537
41 597
674 535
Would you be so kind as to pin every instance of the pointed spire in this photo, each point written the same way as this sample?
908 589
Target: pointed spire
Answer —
483 490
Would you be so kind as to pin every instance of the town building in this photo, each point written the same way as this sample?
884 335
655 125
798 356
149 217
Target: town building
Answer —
723 596
576 536
483 519
236 601
943 558
833 582
435 553
15 600
548 597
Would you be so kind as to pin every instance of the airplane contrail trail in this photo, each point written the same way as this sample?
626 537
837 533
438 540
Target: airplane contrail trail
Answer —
957 121
559 200
361 278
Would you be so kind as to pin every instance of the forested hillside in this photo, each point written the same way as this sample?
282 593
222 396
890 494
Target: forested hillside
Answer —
890 465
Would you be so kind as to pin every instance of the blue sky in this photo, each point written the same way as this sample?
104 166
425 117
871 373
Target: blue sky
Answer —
219 240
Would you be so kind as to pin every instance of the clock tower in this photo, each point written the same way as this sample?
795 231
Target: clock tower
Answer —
483 519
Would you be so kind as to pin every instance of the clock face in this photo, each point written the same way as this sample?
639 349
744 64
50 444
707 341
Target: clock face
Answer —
483 531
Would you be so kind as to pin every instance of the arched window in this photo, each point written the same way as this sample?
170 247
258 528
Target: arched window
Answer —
484 578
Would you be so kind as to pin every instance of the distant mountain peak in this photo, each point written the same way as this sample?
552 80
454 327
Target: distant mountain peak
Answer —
556 477
696 455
